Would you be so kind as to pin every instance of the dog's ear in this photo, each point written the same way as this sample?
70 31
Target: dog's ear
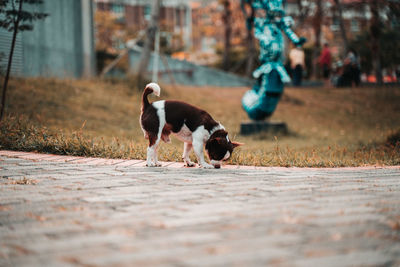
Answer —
236 144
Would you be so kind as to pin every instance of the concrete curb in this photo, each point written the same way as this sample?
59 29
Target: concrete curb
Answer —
135 163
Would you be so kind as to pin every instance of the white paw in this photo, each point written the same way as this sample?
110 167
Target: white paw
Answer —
206 166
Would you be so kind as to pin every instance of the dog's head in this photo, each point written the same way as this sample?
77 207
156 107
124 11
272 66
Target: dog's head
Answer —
219 148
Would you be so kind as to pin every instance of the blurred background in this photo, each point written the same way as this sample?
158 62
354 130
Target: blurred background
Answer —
84 38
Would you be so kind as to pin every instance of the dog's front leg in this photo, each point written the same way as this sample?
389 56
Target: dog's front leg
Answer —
198 150
156 163
187 148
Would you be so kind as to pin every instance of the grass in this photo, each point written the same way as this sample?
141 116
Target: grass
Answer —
328 127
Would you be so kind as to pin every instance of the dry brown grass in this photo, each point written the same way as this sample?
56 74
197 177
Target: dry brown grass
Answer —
328 127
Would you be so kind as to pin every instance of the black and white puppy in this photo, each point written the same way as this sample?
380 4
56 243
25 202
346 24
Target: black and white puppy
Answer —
193 126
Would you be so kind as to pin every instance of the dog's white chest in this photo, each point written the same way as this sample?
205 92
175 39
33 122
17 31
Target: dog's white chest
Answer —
185 134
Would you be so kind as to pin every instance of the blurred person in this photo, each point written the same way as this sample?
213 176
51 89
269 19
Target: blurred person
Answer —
346 75
337 71
325 61
354 67
297 64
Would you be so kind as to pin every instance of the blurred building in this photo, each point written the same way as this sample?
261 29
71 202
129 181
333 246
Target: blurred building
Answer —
61 45
176 18
194 30
208 27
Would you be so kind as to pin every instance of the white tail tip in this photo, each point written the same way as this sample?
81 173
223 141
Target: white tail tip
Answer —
156 88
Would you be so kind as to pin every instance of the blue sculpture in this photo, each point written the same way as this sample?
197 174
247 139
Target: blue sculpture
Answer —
261 101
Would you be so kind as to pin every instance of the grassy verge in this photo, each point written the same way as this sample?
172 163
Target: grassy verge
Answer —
328 128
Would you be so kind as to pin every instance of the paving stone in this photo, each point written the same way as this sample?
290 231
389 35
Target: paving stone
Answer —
96 212
129 162
358 258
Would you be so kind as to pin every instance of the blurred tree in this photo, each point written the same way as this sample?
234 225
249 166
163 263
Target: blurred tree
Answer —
108 32
317 24
389 44
148 43
339 16
384 36
304 11
111 36
376 32
14 19
394 11
227 20
251 53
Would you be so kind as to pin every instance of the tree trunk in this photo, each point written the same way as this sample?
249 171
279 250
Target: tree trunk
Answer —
149 41
303 13
228 32
251 54
317 21
341 25
16 24
375 30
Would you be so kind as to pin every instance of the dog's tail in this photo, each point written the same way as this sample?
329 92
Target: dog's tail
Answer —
150 88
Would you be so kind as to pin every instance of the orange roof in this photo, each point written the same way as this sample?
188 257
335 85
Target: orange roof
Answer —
195 5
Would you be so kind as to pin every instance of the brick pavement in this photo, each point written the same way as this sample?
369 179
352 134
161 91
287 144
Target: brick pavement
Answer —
69 211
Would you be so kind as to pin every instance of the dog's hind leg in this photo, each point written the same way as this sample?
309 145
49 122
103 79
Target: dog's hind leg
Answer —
187 148
160 107
152 161
155 157
151 151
